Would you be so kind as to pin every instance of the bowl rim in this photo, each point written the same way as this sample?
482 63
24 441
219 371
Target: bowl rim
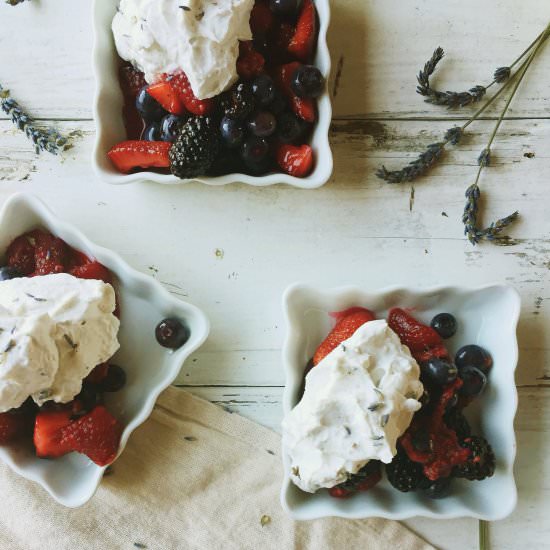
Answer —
74 237
102 40
290 343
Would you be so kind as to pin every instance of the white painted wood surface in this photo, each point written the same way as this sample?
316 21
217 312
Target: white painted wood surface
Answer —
232 251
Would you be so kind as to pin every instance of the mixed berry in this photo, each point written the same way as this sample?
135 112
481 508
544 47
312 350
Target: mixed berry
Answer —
260 125
438 446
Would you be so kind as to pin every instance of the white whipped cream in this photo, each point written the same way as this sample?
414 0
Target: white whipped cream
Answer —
54 330
358 400
200 37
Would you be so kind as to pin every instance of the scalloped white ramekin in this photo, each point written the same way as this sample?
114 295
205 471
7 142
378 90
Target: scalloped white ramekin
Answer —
487 316
73 479
110 128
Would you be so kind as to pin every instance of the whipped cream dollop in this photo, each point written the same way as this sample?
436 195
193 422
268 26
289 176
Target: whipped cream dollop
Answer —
200 37
357 402
54 330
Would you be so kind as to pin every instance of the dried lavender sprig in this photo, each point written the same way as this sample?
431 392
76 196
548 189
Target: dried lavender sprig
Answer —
44 139
460 99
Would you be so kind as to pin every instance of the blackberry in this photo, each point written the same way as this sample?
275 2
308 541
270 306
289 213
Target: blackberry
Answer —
195 148
404 474
482 462
455 420
238 102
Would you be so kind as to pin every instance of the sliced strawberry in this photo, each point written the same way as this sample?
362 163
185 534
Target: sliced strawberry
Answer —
21 255
167 97
92 270
250 63
128 155
261 18
303 42
47 433
294 160
343 330
180 84
339 492
96 434
423 341
50 253
303 107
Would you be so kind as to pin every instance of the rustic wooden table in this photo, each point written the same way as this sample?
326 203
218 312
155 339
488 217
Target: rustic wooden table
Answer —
233 250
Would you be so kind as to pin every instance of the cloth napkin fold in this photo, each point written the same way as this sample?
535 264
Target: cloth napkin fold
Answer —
192 477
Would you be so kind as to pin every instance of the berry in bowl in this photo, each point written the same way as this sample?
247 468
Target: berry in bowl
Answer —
223 91
400 403
88 344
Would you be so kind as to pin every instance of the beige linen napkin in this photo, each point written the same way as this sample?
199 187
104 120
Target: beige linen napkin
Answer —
192 477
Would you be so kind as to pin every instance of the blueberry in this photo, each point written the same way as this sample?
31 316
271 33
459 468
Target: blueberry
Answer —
263 90
307 81
289 127
8 272
169 127
259 168
172 333
283 7
254 149
422 441
149 108
439 371
444 324
278 105
232 131
151 132
474 381
115 379
474 356
262 123
440 488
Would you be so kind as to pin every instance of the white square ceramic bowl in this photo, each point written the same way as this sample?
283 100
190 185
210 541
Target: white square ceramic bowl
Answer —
73 479
487 316
110 128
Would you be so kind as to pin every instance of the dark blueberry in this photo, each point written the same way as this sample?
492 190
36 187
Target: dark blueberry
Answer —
232 131
172 333
474 381
439 371
169 127
289 127
263 90
444 324
115 379
440 488
262 123
474 356
259 168
8 272
284 7
149 108
278 105
151 132
254 149
422 441
307 81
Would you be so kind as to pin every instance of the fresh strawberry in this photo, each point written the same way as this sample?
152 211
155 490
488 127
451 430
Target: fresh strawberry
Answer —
339 492
47 433
98 373
261 18
180 84
303 41
96 434
92 270
167 97
131 80
303 107
417 337
50 253
128 155
250 63
12 425
343 330
20 255
296 161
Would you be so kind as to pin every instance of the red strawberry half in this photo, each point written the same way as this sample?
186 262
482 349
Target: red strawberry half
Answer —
50 253
92 270
180 84
302 43
343 330
303 107
128 155
296 161
47 433
21 255
167 96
